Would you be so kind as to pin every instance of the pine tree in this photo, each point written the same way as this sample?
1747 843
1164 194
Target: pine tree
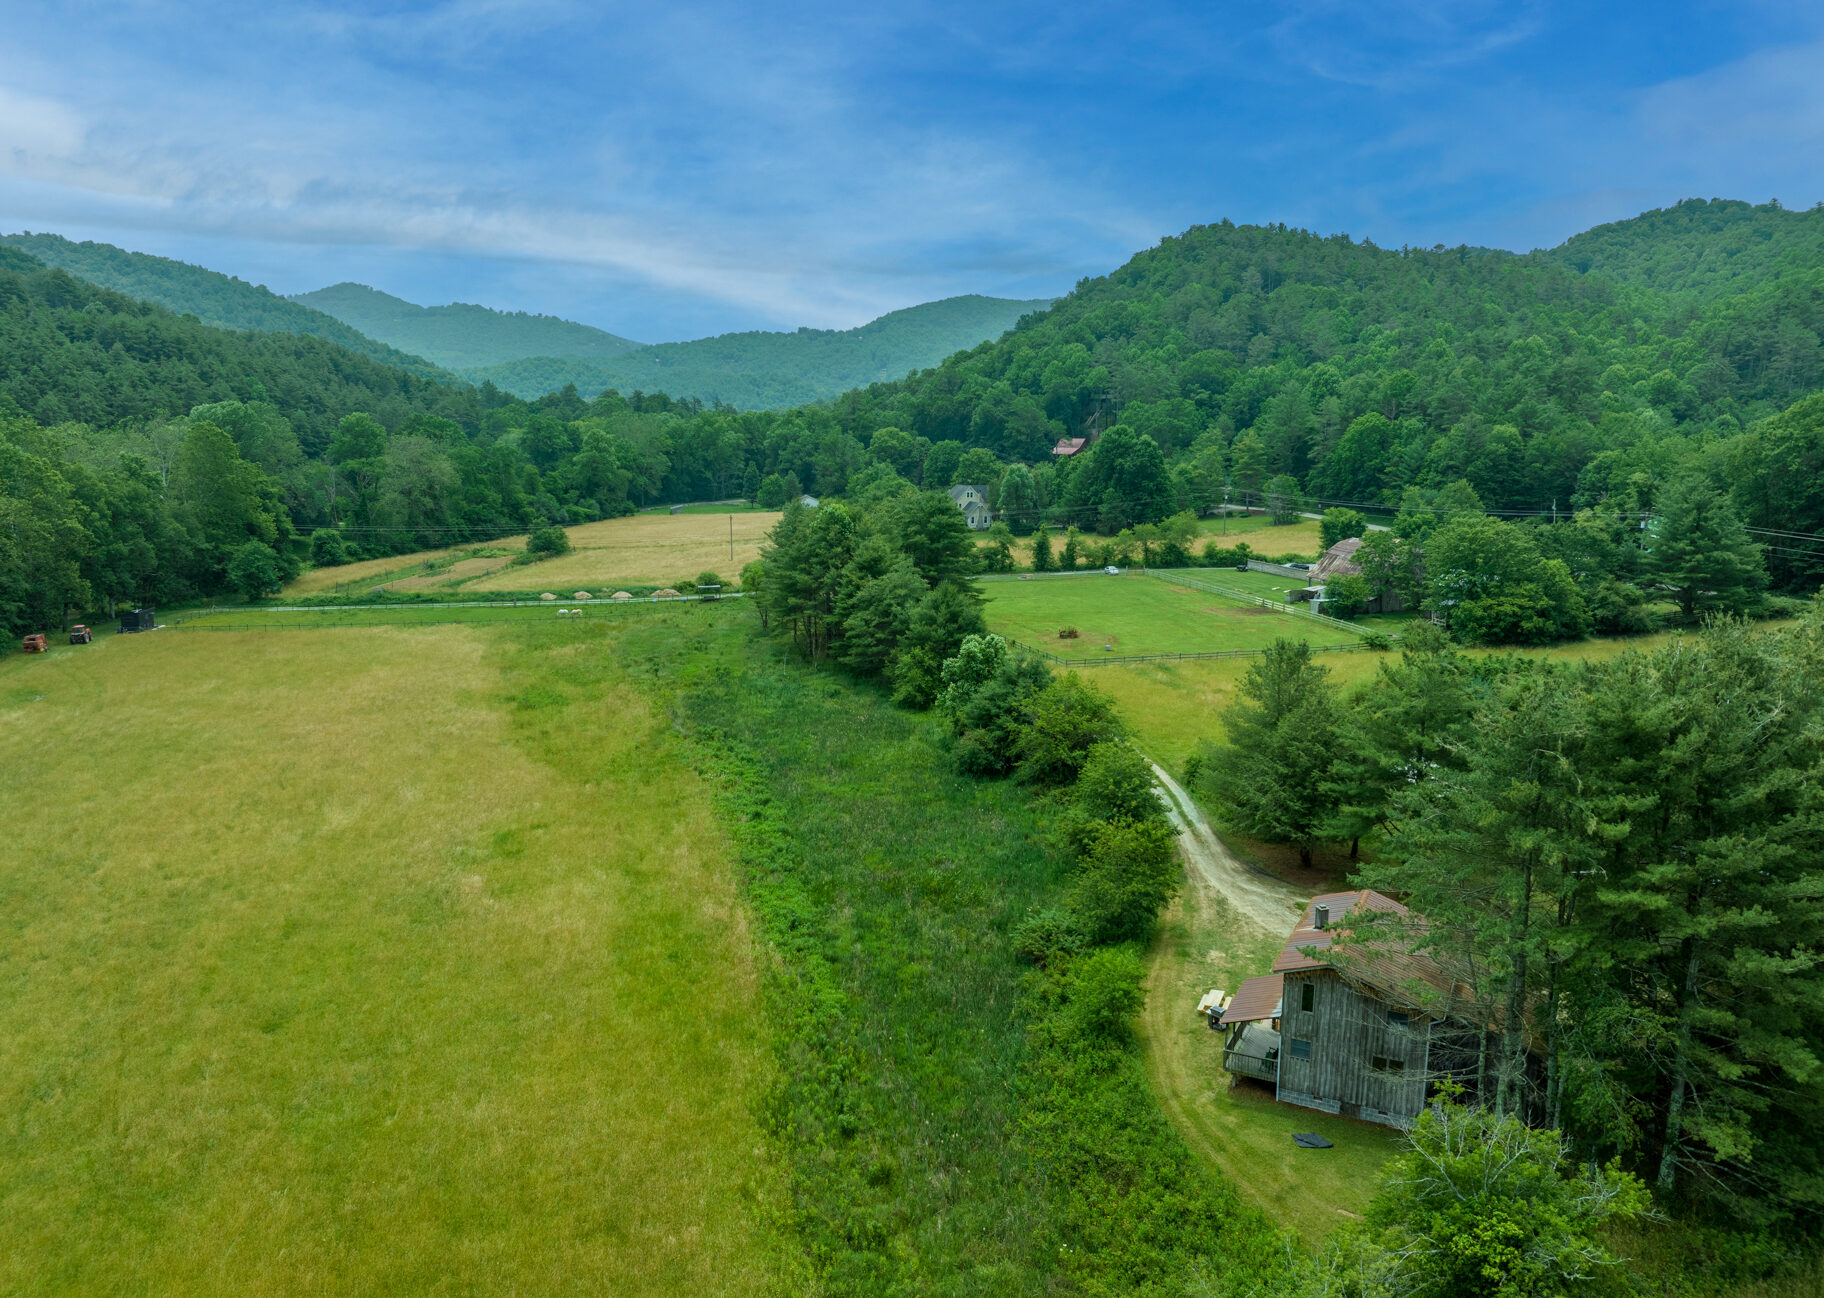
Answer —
1041 551
1700 552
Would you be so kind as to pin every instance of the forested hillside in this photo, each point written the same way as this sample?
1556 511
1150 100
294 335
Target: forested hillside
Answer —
215 299
1254 361
461 335
764 371
1698 249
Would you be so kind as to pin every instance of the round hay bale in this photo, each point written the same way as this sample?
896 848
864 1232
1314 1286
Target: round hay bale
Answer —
547 595
620 594
667 593
582 594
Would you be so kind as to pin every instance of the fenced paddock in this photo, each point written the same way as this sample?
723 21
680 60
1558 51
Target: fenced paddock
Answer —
1150 616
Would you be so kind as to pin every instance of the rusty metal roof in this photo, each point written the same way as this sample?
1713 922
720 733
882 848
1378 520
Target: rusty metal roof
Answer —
1337 561
1388 965
1257 998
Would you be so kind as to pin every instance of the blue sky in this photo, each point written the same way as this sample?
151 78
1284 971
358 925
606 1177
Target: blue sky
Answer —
672 170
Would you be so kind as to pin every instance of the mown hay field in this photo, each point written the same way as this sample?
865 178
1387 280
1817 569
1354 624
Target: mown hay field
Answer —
368 962
1137 614
641 549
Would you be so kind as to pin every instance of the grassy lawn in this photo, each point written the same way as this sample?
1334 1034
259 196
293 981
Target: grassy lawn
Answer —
1263 538
1137 614
391 961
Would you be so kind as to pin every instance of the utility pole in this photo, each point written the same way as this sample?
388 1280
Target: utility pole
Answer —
731 540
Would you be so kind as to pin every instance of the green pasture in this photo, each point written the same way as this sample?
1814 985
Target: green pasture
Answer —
534 612
1137 614
399 960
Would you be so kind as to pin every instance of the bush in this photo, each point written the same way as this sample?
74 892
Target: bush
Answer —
327 548
544 542
1116 783
1376 640
1127 872
1066 720
1480 1204
1046 934
1103 992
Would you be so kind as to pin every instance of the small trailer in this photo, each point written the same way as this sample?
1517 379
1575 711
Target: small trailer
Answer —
80 634
138 619
34 644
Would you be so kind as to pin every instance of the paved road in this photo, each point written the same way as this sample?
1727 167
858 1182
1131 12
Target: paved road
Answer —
1269 902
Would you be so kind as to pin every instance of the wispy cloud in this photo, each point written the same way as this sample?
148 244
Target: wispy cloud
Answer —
713 165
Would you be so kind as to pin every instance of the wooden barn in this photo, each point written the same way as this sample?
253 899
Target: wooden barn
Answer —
1346 1031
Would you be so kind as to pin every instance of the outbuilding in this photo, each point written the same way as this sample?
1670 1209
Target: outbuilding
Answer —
1348 1031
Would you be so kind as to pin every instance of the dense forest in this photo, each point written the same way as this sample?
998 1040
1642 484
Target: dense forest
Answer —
765 371
213 298
1252 362
462 336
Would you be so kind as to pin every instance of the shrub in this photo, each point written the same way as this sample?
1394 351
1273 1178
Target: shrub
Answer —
1127 872
1103 992
1376 640
544 542
1066 720
1480 1204
1046 934
327 548
1116 783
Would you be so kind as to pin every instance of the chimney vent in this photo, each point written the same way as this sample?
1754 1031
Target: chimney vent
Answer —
1321 917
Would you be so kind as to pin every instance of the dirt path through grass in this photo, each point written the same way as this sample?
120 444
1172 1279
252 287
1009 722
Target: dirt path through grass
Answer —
1227 925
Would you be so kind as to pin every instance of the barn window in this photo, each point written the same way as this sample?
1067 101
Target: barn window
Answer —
1388 1064
1308 997
1397 1018
1301 1049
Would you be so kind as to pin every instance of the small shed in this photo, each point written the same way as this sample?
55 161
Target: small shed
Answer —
1068 446
973 501
809 502
138 619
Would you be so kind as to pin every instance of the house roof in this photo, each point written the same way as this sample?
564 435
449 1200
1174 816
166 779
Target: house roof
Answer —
1068 445
1337 561
1388 965
1257 998
963 490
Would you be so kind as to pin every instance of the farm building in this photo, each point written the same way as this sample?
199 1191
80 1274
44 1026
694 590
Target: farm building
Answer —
1068 446
1338 561
1350 1031
973 501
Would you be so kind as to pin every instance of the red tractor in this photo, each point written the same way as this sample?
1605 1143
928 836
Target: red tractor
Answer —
80 634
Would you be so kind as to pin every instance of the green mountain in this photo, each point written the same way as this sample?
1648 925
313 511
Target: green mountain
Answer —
216 299
461 336
1699 249
71 351
762 371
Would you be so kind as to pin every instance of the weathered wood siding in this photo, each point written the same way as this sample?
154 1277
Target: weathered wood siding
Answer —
1347 1032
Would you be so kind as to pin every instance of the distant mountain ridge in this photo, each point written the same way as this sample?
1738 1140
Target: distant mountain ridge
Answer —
760 370
218 300
461 335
